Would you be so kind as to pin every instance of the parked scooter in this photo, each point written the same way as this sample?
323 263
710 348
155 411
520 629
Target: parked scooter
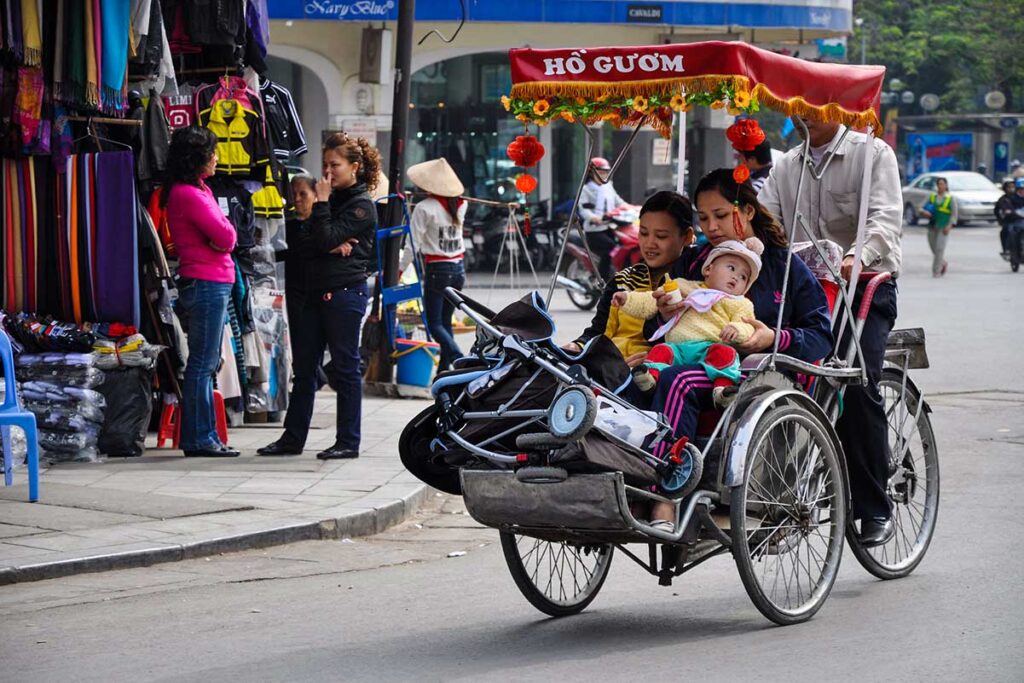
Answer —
581 277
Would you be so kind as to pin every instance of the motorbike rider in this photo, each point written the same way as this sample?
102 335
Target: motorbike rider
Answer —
599 193
1004 215
1015 222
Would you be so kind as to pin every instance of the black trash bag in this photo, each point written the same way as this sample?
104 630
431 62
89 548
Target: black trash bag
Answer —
129 405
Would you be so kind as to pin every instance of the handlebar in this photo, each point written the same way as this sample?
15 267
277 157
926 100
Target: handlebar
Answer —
874 280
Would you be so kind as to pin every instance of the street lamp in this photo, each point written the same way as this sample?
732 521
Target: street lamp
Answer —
859 22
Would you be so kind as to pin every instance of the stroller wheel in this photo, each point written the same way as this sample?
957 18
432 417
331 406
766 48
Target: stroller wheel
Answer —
572 414
682 477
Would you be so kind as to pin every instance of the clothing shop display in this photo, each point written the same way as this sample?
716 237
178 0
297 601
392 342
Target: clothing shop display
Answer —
89 96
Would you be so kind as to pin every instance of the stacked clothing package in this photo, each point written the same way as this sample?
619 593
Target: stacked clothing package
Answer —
60 389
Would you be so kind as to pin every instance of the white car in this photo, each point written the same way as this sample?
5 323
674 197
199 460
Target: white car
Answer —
975 195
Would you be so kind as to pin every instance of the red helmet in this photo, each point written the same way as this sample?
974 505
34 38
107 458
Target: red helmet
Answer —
600 163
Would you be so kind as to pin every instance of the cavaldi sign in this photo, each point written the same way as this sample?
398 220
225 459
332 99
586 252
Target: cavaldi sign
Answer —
362 9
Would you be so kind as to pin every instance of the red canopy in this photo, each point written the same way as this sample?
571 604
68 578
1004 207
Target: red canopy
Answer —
845 93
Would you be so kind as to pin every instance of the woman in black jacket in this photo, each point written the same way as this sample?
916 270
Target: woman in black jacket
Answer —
332 313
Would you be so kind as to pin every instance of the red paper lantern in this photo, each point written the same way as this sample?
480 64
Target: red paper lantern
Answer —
525 151
745 135
526 183
741 174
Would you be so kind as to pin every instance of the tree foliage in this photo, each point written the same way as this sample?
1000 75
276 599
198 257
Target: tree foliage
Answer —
957 49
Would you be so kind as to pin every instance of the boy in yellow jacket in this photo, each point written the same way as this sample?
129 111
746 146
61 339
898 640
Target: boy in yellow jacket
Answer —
713 317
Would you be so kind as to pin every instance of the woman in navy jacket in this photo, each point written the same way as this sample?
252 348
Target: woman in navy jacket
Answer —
683 391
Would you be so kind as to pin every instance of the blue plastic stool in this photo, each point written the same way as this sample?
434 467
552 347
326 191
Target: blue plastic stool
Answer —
12 415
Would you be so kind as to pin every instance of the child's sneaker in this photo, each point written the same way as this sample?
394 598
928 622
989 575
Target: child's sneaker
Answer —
643 379
723 396
665 525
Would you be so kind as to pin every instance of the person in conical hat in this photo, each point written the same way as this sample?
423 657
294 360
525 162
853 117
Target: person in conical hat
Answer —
436 226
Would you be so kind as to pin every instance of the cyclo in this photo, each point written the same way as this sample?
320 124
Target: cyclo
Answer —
544 449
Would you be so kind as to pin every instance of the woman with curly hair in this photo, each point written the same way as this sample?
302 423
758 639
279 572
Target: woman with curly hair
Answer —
204 238
336 297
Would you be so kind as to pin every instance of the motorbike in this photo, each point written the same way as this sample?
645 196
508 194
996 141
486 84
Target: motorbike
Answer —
580 276
1015 245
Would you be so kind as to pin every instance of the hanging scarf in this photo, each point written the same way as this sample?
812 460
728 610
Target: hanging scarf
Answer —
28 105
14 30
117 265
115 22
32 41
72 89
92 78
58 53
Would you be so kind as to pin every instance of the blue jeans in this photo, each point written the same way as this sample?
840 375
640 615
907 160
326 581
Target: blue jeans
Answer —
204 305
439 311
332 321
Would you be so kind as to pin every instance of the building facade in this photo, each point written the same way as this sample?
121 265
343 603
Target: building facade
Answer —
340 73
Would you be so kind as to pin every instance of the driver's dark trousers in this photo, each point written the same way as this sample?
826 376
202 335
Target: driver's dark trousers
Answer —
863 426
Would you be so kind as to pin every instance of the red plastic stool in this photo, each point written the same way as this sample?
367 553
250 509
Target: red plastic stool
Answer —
170 422
169 427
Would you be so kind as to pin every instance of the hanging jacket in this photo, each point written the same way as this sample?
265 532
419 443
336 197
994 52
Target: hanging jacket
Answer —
284 128
241 145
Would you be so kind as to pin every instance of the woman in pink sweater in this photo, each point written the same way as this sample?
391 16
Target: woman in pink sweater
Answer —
204 238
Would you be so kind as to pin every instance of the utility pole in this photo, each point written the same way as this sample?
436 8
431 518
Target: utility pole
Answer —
396 168
859 22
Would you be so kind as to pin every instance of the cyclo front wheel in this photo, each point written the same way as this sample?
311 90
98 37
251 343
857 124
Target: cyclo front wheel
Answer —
913 485
788 515
559 579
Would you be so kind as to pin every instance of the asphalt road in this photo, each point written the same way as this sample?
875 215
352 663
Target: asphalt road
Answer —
397 607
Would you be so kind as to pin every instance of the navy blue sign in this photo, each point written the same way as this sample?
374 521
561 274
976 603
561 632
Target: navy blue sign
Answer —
767 14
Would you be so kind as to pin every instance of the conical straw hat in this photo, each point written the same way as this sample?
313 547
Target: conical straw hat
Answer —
436 177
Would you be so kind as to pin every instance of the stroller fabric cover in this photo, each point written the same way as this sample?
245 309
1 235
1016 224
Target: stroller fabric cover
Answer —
527 319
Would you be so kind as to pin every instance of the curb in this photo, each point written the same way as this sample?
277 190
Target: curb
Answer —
362 523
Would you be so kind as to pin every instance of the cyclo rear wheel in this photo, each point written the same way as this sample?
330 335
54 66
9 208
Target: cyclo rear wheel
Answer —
788 515
913 485
559 579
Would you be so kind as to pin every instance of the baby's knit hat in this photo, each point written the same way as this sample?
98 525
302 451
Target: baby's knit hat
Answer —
749 250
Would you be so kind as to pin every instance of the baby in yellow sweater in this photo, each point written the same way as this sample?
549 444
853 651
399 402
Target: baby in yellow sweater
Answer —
714 313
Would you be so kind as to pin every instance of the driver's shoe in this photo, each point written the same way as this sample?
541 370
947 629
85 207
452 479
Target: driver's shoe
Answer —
875 531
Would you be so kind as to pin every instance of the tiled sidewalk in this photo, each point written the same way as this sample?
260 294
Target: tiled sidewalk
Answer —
164 507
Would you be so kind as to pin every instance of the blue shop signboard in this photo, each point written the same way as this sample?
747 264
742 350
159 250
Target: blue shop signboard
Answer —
832 15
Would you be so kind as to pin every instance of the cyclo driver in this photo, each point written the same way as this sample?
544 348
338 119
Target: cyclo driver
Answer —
830 206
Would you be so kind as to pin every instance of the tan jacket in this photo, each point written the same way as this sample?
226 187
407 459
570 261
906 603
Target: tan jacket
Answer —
830 206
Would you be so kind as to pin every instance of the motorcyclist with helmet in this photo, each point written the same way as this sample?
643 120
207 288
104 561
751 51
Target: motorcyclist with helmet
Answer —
1004 214
599 199
1014 226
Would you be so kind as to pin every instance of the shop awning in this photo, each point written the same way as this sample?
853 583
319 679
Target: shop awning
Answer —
643 84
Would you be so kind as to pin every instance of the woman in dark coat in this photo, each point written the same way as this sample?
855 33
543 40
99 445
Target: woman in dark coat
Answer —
336 296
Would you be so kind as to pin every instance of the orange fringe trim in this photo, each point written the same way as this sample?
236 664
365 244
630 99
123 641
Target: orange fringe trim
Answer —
793 106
